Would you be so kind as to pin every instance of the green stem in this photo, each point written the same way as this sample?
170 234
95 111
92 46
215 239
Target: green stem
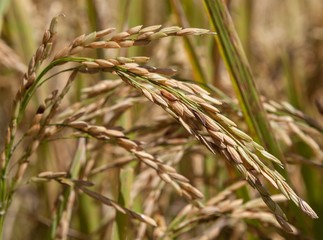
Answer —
198 72
30 92
5 195
241 76
74 173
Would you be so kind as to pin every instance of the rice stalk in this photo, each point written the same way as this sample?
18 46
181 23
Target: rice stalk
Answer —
191 52
241 75
223 137
191 106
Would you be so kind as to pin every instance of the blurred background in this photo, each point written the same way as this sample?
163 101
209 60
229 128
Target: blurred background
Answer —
283 41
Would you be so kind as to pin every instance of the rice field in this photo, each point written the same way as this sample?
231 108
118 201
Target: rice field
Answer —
161 119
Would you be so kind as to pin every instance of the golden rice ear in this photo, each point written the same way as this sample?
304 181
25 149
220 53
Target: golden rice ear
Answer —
92 124
225 139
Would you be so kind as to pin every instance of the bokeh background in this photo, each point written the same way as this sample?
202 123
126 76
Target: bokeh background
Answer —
283 41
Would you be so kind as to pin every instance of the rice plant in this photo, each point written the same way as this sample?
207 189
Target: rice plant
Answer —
100 141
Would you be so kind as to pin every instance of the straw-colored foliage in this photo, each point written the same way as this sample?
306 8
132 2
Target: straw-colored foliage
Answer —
101 138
